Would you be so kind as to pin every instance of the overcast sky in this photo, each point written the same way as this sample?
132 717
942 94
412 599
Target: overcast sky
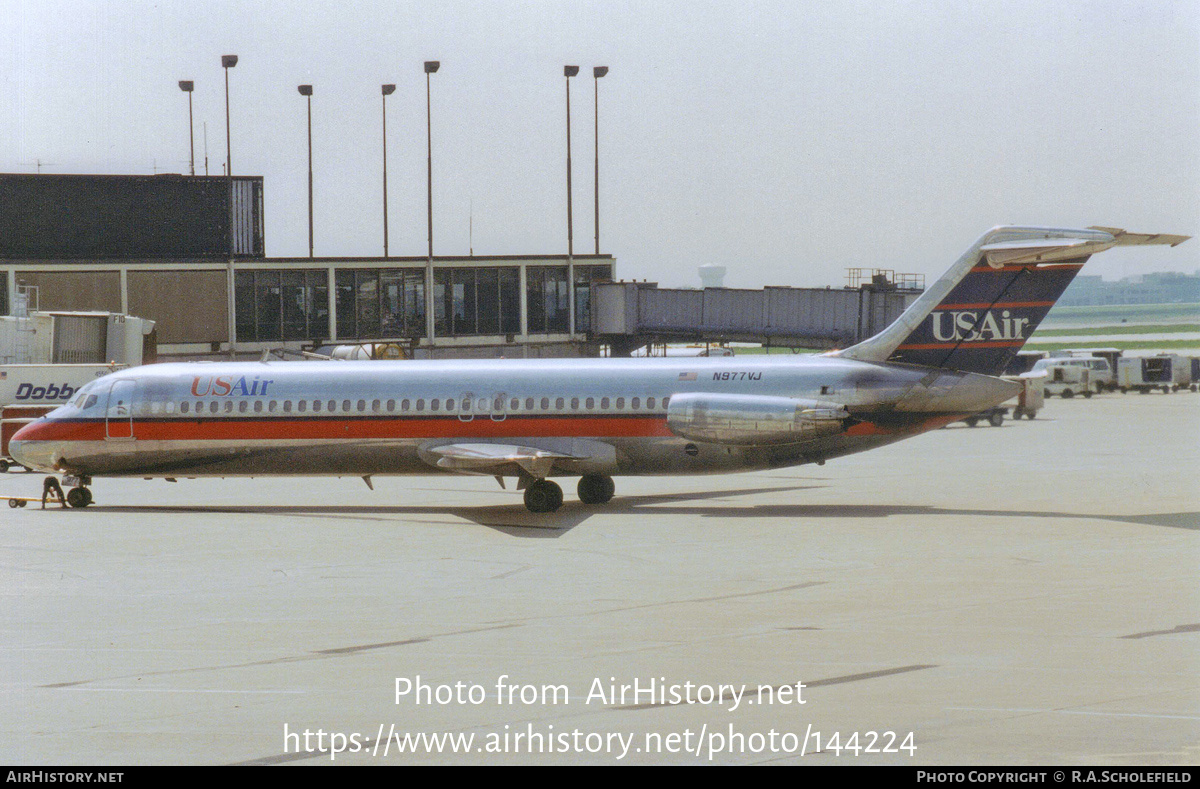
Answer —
783 140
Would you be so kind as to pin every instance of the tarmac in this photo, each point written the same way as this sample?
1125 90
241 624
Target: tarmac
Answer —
1021 595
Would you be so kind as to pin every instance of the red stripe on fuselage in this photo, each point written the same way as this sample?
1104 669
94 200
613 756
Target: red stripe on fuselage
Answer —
235 429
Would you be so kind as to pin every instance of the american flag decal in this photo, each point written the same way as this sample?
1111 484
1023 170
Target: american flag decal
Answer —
687 376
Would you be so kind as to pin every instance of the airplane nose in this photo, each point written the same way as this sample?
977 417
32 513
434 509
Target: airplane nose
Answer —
29 448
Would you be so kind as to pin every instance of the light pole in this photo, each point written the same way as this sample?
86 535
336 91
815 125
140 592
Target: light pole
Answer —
431 67
597 73
306 91
387 91
568 72
186 85
228 62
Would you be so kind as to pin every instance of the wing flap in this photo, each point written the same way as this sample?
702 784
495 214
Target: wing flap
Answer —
484 458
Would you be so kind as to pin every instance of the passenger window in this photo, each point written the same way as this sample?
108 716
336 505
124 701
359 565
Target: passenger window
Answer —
560 404
362 405
243 405
170 407
650 403
272 406
404 405
258 406
498 404
287 406
434 403
636 403
346 406
666 401
229 406
391 406
302 406
590 403
420 405
331 406
620 403
316 405
529 404
604 403
450 404
574 403
545 403
515 404
375 406
184 406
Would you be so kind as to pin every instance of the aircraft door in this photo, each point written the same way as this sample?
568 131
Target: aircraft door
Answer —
499 410
466 411
118 415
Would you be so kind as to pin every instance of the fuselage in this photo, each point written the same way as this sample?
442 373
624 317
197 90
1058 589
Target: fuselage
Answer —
367 418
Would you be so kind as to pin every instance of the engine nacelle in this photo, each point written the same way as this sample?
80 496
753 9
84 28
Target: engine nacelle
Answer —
748 420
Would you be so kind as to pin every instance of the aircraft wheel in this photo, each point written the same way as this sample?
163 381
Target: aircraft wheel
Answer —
1087 393
3 466
596 489
14 503
79 497
996 419
543 496
971 421
1067 394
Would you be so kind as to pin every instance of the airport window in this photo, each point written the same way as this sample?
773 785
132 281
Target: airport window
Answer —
377 303
275 305
470 301
546 297
585 276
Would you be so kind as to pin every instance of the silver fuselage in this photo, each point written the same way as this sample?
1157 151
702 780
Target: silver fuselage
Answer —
366 418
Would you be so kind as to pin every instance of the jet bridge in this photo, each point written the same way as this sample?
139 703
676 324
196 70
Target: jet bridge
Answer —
629 315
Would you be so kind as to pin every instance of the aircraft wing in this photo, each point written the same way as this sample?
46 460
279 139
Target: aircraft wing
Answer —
492 458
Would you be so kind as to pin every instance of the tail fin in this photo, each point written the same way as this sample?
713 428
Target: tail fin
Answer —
981 312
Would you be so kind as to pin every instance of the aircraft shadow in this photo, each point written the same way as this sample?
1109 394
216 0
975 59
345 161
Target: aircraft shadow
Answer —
514 520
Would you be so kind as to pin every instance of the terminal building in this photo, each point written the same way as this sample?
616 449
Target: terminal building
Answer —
188 253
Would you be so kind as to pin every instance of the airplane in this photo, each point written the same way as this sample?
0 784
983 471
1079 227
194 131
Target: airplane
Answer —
595 418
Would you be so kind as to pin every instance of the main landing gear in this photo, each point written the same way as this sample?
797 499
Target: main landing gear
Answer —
542 495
